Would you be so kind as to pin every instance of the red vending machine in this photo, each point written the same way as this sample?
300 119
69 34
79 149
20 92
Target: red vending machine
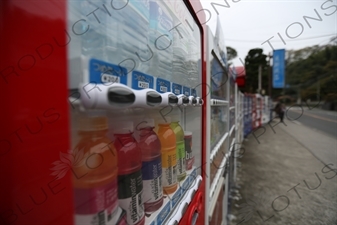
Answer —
104 112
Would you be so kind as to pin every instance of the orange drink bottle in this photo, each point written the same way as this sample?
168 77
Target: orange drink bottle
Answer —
169 156
94 168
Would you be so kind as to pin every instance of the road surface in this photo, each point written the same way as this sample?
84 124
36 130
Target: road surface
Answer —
322 120
315 129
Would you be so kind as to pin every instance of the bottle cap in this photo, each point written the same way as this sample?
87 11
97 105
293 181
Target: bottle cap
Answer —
147 122
123 127
187 133
96 123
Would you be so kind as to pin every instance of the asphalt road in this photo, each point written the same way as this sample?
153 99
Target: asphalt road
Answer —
321 120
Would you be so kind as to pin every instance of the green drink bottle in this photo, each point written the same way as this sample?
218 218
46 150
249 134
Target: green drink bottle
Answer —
181 156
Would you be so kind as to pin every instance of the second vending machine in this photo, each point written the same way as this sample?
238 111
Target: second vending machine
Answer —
135 85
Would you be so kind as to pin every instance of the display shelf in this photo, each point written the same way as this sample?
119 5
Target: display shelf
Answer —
177 200
216 148
218 175
218 102
232 129
215 197
185 199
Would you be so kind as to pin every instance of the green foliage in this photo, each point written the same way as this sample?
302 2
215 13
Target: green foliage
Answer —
253 60
313 70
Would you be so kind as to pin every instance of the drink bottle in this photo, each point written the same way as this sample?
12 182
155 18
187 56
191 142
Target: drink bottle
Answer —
161 23
188 150
169 156
94 174
181 156
150 145
130 184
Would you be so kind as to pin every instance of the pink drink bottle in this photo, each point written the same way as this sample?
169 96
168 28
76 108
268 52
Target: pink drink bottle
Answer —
130 184
151 166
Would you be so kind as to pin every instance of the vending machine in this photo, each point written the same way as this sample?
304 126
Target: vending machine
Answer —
104 118
220 120
226 129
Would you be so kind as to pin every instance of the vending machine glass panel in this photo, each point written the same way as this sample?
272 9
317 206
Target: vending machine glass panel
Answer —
135 95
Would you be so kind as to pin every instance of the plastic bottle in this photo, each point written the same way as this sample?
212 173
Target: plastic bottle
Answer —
181 156
160 24
151 166
113 30
169 156
135 36
94 39
188 150
130 185
95 174
180 53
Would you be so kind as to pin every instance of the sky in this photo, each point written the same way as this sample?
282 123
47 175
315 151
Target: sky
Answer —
247 24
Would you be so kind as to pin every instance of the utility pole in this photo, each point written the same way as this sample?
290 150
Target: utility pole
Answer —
269 74
260 80
318 89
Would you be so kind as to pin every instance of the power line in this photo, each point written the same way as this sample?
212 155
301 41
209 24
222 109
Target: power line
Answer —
300 39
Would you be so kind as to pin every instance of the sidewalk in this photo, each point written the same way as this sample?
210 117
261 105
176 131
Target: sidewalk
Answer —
281 182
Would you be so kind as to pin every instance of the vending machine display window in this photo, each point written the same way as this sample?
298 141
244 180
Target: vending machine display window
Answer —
136 118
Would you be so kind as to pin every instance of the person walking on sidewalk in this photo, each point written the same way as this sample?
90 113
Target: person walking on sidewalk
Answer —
280 109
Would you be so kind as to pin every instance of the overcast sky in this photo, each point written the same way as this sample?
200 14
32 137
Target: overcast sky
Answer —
248 23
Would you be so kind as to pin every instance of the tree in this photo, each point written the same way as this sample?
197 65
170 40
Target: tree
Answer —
253 60
313 71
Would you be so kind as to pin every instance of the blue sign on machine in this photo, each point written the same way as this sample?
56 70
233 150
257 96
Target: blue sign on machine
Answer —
278 68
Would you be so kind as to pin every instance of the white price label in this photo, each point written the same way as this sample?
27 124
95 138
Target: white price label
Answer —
163 89
142 84
108 78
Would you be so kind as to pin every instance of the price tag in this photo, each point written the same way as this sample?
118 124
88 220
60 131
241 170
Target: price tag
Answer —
162 85
103 72
141 80
177 88
163 89
142 84
186 91
107 78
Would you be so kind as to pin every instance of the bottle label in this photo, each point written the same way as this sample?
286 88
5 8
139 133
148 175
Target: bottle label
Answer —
169 161
96 206
141 80
163 85
130 188
181 158
106 73
152 184
189 153
189 163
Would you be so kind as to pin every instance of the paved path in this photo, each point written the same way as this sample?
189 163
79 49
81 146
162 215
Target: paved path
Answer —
282 182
